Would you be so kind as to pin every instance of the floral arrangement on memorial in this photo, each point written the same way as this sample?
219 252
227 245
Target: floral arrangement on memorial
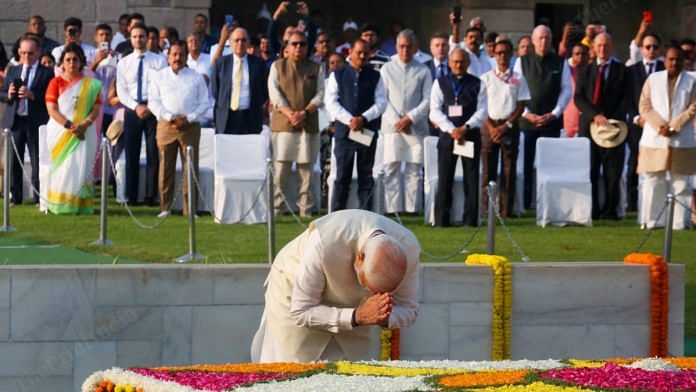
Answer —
654 374
659 299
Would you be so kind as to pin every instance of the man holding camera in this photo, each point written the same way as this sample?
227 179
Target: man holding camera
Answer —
104 66
72 28
24 91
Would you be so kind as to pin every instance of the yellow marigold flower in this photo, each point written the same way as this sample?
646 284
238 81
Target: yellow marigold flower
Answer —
376 370
483 379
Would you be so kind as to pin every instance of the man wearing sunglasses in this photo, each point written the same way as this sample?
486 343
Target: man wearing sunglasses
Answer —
296 91
650 63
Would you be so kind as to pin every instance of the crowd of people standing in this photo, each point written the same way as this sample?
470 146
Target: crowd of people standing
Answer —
477 91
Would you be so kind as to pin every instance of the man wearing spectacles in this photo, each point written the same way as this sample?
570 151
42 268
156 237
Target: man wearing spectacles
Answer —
238 83
25 90
507 95
322 50
650 63
296 91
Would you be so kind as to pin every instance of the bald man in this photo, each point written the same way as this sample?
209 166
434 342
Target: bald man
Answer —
350 270
600 100
550 88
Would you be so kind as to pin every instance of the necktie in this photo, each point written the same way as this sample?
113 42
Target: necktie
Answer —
440 70
139 97
650 68
22 105
599 84
236 85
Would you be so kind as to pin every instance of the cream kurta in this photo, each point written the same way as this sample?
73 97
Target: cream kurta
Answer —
301 333
673 103
407 87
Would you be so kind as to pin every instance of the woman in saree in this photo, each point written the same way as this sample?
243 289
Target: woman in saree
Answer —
73 101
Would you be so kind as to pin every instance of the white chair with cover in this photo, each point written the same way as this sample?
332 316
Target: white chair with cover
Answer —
564 190
240 178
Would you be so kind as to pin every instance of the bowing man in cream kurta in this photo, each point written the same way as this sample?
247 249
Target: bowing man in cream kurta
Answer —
313 290
668 106
407 84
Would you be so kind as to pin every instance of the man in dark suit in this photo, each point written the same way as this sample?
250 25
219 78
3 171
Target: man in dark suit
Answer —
650 51
355 97
439 49
603 92
27 109
238 83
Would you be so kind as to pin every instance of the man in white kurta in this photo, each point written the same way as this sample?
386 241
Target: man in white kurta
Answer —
407 84
668 106
314 294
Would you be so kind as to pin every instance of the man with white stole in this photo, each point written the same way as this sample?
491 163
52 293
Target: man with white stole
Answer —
407 84
348 271
668 106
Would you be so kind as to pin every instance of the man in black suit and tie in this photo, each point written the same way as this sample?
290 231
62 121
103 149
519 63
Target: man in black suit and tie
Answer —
238 83
439 49
603 92
24 90
650 51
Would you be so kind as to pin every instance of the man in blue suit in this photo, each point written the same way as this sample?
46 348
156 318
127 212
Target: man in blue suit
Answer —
439 49
25 90
238 83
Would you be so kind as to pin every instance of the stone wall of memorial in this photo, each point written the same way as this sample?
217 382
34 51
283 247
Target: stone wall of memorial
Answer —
58 324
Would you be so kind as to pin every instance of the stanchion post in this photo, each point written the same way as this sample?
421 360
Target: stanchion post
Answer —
103 241
7 172
192 255
380 191
271 210
667 245
492 190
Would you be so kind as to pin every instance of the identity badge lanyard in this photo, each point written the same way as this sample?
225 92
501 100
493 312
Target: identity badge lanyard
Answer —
456 109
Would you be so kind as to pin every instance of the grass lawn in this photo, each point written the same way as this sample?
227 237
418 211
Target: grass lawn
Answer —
606 241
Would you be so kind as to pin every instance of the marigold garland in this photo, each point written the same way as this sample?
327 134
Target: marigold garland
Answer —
684 363
659 300
385 344
376 370
483 379
502 301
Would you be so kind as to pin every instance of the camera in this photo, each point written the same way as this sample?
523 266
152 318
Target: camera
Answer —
72 32
17 83
104 45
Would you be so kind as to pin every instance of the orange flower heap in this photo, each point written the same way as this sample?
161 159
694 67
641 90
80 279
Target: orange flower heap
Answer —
659 300
483 379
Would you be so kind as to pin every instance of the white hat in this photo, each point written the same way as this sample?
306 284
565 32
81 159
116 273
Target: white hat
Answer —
350 25
610 135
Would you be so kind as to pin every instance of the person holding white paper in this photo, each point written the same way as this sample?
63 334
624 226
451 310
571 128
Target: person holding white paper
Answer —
355 99
458 105
404 124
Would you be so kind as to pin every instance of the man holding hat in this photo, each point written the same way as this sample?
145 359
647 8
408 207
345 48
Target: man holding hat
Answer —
603 95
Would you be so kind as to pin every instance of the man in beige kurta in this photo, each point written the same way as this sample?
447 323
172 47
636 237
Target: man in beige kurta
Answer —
328 286
296 91
667 107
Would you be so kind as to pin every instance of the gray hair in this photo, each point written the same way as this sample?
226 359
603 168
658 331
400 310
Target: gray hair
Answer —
385 262
537 30
408 34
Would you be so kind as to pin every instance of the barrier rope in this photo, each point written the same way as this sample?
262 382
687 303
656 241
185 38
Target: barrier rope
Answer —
211 208
31 184
278 189
508 233
651 230
461 250
142 225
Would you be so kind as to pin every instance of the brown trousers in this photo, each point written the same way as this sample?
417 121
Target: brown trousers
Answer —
171 141
490 153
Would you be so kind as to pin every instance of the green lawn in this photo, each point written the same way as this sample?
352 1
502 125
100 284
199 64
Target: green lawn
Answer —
606 241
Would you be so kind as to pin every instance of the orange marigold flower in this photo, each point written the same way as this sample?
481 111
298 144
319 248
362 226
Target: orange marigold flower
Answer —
483 379
281 367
